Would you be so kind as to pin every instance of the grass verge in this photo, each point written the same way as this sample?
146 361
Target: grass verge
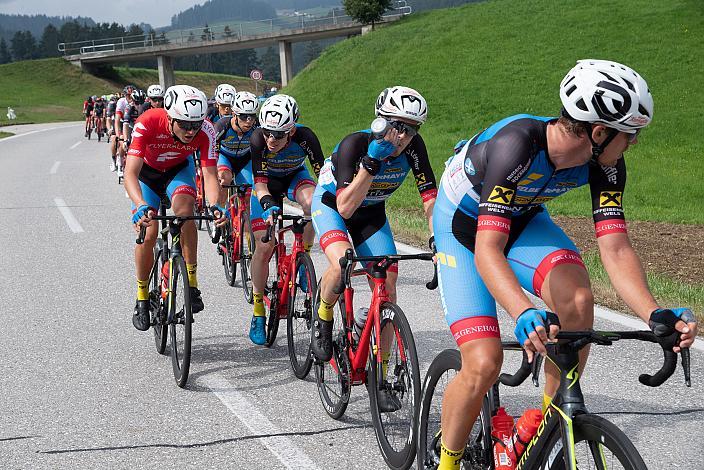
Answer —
5 134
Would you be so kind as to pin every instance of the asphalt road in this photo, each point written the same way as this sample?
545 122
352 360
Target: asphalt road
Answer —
81 388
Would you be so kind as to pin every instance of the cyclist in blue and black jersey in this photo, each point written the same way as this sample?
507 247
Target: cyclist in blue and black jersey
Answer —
362 172
233 134
494 236
279 149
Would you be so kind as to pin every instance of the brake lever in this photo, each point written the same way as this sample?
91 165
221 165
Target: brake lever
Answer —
686 363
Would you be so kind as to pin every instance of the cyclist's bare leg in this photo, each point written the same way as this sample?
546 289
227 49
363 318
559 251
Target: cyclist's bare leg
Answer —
572 299
304 197
183 204
143 254
481 364
260 261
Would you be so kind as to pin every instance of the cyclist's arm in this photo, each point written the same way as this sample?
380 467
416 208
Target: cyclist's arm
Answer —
209 160
417 156
352 185
133 165
257 146
309 142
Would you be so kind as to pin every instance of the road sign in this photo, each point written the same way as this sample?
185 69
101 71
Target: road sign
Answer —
256 74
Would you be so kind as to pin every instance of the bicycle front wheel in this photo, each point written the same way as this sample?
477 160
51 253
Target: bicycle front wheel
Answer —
478 453
246 250
181 320
272 288
394 388
229 263
300 316
598 444
333 378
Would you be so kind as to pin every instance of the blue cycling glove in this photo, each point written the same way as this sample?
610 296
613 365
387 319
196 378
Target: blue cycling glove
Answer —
141 211
662 321
267 212
380 149
530 319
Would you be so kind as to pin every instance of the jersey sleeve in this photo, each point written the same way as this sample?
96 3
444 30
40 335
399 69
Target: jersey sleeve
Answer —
606 184
417 156
208 151
140 136
310 144
346 160
221 128
257 146
507 159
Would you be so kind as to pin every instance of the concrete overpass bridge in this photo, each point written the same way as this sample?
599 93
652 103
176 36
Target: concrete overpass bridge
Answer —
164 47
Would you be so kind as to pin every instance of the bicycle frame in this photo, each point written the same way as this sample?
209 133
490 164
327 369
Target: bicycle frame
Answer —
241 194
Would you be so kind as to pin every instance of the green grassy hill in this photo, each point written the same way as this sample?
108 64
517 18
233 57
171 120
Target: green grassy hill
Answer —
478 63
50 90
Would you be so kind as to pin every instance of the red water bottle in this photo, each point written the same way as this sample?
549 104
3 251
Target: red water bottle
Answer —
502 430
165 279
526 426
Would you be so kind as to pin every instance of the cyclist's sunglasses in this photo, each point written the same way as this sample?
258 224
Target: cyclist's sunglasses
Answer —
404 128
276 135
632 137
158 98
247 117
189 125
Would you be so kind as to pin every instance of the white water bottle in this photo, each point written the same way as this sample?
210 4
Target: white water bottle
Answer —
360 318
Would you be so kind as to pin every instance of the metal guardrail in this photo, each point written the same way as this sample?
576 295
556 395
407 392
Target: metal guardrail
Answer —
206 34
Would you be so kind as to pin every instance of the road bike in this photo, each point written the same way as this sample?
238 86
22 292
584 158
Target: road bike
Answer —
383 357
290 290
170 292
236 239
569 436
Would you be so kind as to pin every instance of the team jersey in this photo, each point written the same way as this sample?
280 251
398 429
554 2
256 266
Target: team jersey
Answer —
121 106
153 142
111 108
230 144
341 167
99 108
505 171
304 143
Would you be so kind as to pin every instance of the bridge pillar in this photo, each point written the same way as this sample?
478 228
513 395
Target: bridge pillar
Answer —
166 71
286 61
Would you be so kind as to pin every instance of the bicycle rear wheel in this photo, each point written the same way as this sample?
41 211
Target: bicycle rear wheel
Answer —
400 382
478 453
156 306
598 444
333 377
181 321
300 315
247 245
228 262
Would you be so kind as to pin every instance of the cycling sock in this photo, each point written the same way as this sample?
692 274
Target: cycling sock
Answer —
385 362
307 247
546 402
142 290
259 310
192 279
325 311
449 459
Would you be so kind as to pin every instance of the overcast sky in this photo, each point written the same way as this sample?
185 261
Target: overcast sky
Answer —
155 12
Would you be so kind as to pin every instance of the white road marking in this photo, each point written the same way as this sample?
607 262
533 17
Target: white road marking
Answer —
68 215
599 311
75 145
33 132
281 446
54 168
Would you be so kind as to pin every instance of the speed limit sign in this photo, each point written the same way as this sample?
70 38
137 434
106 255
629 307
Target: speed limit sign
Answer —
256 74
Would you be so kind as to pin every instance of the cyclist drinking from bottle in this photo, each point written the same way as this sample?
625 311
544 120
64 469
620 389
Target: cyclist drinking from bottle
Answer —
160 163
279 149
494 236
362 172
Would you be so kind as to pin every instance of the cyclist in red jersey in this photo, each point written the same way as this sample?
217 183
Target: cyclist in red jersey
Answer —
160 162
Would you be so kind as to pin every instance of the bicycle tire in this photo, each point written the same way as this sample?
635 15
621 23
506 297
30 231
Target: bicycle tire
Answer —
478 453
332 378
157 313
181 320
300 318
398 449
272 314
247 246
228 263
597 434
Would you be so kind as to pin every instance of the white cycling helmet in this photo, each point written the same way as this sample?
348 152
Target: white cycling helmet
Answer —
402 102
185 103
279 113
225 94
245 103
155 91
608 93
